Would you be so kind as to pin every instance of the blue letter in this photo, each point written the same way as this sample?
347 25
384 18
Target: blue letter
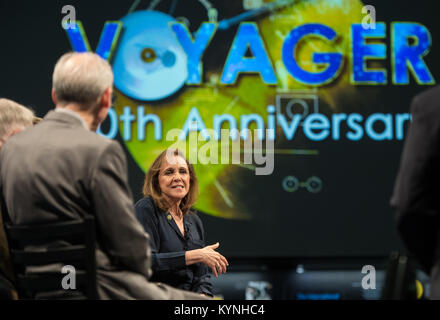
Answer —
336 124
127 118
387 119
316 121
362 51
271 122
142 121
400 121
113 131
194 122
289 131
352 124
107 42
410 57
194 48
333 60
218 122
248 36
248 118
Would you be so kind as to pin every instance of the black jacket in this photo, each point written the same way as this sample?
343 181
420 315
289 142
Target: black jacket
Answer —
168 247
416 196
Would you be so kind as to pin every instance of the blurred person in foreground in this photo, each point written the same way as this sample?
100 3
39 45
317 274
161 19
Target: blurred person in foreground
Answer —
70 171
13 119
416 191
177 236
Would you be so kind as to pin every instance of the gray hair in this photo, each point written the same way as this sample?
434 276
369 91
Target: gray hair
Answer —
81 78
13 116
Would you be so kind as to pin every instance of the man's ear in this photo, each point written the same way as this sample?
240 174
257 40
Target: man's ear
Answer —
103 106
54 96
106 98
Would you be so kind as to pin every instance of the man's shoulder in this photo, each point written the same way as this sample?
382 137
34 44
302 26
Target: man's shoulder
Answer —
430 93
428 101
105 143
88 137
59 131
74 136
75 143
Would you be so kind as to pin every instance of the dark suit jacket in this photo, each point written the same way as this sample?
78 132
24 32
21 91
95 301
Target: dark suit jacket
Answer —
416 196
6 270
59 170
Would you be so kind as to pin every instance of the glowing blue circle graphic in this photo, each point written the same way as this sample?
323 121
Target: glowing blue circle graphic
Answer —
290 184
149 64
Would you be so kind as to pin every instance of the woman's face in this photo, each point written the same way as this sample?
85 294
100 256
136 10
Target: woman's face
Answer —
174 178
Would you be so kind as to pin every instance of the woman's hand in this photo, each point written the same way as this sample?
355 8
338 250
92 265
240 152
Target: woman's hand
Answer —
208 256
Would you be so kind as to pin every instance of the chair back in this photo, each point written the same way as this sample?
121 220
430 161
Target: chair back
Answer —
400 278
25 243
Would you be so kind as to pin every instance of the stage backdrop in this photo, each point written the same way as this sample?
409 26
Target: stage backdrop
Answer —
330 80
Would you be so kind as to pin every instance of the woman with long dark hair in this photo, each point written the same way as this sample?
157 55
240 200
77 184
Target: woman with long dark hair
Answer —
180 256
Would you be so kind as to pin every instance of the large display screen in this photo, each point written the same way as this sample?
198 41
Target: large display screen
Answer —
293 113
